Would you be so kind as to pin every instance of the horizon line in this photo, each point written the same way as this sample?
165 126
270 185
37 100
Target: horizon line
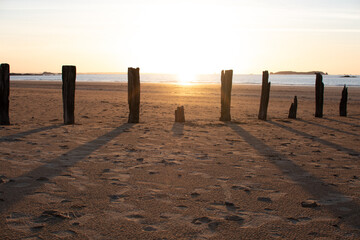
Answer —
99 73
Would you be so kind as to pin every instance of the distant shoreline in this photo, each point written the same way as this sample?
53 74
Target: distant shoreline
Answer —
34 74
298 73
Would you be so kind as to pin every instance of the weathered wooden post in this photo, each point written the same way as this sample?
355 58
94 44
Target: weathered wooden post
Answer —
319 95
226 86
343 102
265 94
134 94
68 93
180 114
4 93
293 109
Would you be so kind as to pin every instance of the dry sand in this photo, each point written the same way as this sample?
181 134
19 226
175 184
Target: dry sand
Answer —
247 179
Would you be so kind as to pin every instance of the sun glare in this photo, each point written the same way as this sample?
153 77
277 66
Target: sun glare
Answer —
186 78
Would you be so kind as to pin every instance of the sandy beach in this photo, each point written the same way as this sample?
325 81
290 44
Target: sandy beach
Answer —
103 178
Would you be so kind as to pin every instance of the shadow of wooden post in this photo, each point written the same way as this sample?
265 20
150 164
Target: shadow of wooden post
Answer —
4 93
343 102
134 94
68 93
226 86
293 109
265 95
319 95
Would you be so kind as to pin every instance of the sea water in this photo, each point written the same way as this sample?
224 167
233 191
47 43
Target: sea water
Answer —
301 80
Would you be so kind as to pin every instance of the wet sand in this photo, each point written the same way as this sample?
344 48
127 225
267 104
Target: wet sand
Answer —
246 179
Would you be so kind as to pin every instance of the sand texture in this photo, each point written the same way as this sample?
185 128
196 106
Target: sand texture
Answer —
103 178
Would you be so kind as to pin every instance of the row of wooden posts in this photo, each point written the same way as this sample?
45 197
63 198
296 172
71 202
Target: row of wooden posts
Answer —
68 96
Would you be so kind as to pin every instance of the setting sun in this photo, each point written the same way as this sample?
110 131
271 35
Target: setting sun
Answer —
186 78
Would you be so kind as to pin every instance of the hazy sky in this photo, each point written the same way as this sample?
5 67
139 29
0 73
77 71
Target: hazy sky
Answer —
195 36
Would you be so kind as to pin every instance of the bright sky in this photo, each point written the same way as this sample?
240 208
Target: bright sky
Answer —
181 36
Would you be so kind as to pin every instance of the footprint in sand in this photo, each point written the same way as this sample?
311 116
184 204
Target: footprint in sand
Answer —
235 218
45 198
149 229
182 207
264 199
299 220
118 198
65 234
135 217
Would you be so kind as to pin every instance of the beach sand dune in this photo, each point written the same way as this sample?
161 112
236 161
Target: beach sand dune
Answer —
103 178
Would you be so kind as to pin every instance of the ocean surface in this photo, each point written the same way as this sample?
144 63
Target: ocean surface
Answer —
301 80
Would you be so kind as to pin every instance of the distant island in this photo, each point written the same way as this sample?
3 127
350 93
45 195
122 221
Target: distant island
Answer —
34 74
298 73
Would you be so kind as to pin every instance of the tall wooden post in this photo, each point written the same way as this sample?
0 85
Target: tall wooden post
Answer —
4 93
343 102
134 94
226 86
68 93
180 114
293 109
319 95
265 94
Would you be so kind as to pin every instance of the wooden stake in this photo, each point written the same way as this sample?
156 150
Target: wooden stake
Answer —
134 94
4 93
293 109
343 102
265 95
68 93
319 96
226 86
180 114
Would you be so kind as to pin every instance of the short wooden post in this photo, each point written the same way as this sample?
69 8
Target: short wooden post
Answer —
4 93
226 86
293 109
319 95
134 94
68 93
343 102
265 95
180 114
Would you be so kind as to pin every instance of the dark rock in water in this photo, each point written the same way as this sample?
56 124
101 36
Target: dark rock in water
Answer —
309 204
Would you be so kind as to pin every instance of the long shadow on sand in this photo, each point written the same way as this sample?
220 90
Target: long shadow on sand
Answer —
53 168
314 138
329 128
178 129
342 122
15 137
357 118
313 185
